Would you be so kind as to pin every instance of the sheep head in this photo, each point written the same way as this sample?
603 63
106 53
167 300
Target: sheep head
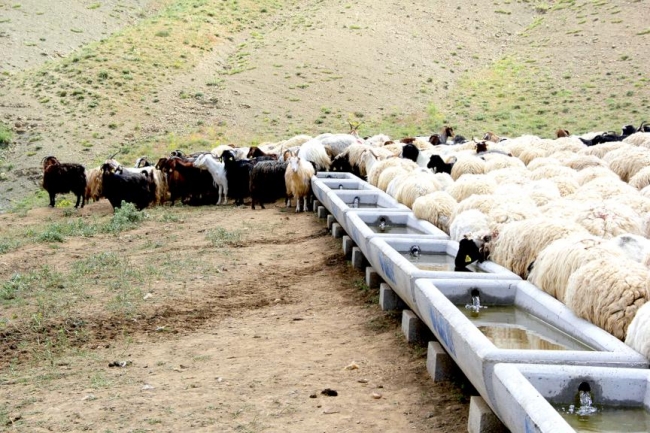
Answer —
48 161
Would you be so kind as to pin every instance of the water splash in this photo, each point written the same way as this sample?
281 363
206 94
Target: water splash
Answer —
475 306
382 224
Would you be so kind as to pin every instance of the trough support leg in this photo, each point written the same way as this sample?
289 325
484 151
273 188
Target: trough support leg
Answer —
315 206
322 212
348 244
440 365
373 280
414 329
358 259
482 419
330 220
388 299
337 231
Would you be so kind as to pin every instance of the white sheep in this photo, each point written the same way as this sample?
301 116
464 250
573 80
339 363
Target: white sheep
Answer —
641 179
217 151
467 164
467 223
297 179
634 247
590 173
641 139
555 263
415 184
470 184
217 170
436 208
519 144
608 293
518 243
314 151
376 170
497 162
638 332
602 149
626 162
580 162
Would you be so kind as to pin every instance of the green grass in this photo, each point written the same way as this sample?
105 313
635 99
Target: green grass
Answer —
220 237
6 135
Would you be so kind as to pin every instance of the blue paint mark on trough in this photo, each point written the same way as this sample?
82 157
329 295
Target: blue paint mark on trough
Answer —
441 327
387 268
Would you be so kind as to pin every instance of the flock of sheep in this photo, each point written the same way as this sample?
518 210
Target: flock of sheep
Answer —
571 214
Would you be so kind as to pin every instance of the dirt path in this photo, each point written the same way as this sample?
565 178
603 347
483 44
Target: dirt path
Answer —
237 337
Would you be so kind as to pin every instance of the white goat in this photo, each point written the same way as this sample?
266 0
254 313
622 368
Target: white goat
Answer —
297 179
218 171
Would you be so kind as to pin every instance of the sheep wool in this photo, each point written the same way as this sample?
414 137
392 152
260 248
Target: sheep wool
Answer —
602 149
468 222
638 333
414 185
467 165
471 184
627 164
608 293
590 173
376 170
519 243
498 162
555 263
436 208
580 162
641 139
641 179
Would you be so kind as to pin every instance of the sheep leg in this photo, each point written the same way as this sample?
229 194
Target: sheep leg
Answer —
218 194
305 206
225 193
297 204
52 199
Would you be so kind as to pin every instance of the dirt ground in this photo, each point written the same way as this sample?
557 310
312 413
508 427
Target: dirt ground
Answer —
243 336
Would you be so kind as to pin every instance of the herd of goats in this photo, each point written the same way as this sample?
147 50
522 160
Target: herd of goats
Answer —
264 173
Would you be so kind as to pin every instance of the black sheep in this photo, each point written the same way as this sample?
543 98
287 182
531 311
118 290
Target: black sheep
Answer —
410 151
438 165
238 176
60 178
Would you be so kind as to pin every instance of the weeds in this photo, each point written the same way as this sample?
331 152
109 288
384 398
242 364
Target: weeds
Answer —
220 237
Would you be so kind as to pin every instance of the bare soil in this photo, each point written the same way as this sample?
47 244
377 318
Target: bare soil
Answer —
240 337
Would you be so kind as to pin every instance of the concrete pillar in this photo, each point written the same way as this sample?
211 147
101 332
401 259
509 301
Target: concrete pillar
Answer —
315 206
388 299
330 220
440 365
348 244
337 231
373 280
358 259
322 212
414 329
482 419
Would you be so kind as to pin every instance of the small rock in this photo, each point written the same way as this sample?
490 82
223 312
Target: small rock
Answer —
147 387
329 392
120 364
313 396
147 296
362 380
352 366
89 397
376 395
330 411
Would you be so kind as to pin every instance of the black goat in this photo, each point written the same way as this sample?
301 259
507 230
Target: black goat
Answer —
136 188
238 176
60 178
438 165
267 182
468 252
610 136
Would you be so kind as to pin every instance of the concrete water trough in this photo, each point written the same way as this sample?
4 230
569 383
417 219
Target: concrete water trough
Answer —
551 333
364 225
393 260
335 175
568 399
342 201
321 187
